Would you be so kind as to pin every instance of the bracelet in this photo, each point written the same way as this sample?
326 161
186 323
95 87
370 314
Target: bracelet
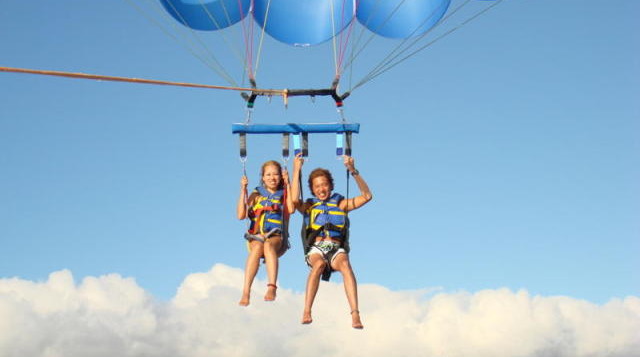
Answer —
355 173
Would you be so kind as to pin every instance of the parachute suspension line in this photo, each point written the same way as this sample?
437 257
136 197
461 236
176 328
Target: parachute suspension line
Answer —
223 34
209 60
344 40
372 35
353 48
401 48
262 33
447 33
333 40
338 56
224 10
218 68
247 35
339 47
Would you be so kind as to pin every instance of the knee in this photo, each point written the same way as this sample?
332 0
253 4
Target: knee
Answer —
318 266
271 248
256 250
342 265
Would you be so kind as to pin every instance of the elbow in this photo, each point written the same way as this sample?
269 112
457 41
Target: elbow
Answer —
368 196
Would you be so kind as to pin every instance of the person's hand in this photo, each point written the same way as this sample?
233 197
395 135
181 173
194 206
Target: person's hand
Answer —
298 161
285 177
244 182
349 163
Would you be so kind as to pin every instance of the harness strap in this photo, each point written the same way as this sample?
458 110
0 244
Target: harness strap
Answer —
314 233
259 214
305 144
285 146
347 143
243 145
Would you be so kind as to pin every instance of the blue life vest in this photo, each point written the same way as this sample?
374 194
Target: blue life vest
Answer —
325 218
266 213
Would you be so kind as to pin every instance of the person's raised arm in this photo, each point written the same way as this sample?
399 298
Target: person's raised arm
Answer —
287 186
298 161
242 200
365 193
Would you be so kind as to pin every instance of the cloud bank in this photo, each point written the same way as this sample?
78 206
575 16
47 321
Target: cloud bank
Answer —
113 316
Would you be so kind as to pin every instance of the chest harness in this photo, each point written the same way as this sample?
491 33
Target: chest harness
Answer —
326 219
268 213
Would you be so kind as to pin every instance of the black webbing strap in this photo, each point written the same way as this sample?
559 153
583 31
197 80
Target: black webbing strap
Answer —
347 143
243 145
285 146
305 144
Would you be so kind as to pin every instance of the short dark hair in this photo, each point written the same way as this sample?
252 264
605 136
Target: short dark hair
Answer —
319 172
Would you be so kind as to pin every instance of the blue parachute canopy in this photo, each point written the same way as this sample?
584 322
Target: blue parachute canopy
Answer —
401 18
311 22
207 15
303 23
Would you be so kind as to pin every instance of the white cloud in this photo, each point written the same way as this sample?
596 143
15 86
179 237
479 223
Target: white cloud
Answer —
113 316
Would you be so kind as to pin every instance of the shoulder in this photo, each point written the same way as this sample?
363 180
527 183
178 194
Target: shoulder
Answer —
306 205
336 197
259 190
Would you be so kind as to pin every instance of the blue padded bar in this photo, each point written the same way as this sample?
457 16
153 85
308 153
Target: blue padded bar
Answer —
295 128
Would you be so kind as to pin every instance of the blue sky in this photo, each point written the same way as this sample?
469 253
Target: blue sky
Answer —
506 155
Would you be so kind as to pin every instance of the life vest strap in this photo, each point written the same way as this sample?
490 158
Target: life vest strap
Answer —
255 216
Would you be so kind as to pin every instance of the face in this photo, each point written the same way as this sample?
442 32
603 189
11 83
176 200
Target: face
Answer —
321 187
271 177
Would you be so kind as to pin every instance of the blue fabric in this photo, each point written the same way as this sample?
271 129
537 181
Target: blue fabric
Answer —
303 23
268 199
401 18
207 15
322 215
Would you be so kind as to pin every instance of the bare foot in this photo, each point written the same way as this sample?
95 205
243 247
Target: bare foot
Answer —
306 317
271 292
355 320
244 300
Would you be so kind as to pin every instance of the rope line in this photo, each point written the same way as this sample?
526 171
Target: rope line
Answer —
372 34
248 61
223 34
344 40
137 80
262 33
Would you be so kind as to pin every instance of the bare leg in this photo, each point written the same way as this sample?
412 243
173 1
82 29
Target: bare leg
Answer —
250 270
341 263
271 247
313 282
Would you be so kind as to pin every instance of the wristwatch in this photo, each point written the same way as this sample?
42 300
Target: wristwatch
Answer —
355 173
